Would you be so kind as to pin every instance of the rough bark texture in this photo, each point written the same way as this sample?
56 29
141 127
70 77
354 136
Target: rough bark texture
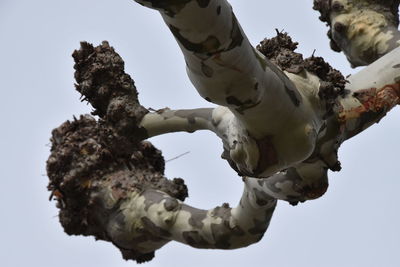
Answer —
88 156
102 81
281 119
280 50
85 159
98 171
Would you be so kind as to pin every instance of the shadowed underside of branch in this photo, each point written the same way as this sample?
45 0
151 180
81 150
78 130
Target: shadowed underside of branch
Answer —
281 119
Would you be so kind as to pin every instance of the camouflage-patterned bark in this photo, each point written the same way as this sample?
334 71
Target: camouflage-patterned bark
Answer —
228 71
364 30
302 182
281 118
110 184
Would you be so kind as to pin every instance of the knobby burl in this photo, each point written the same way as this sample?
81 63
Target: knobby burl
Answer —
109 182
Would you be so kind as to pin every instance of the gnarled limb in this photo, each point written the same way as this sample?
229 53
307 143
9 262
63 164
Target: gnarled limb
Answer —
110 185
168 219
364 30
282 126
240 149
228 71
120 195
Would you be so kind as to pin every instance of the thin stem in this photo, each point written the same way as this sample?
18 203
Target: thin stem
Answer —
187 120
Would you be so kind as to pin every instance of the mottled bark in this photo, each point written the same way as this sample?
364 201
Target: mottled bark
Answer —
110 184
227 70
364 30
281 119
93 171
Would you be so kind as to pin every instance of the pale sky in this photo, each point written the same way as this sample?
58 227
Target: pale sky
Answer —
356 223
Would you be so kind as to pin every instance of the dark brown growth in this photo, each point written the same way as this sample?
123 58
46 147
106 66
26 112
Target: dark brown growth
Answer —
103 83
324 7
280 50
89 155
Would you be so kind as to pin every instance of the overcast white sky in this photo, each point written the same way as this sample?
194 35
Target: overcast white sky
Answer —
355 224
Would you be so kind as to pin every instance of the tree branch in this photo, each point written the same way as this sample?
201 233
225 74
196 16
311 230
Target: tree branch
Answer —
305 181
281 126
121 196
370 94
110 185
364 30
374 91
169 219
166 121
228 71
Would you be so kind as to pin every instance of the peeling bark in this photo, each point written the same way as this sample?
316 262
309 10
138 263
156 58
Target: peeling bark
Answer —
227 70
109 183
281 119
